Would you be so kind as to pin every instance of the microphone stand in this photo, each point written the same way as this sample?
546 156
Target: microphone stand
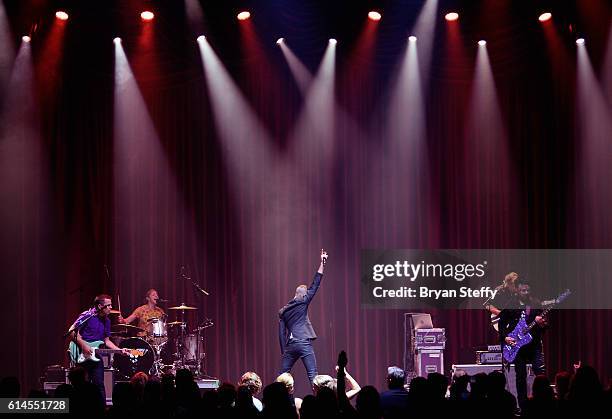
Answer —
198 329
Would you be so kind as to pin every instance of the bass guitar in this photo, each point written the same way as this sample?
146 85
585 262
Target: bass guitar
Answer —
522 332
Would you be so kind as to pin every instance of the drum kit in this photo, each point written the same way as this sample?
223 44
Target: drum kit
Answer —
167 346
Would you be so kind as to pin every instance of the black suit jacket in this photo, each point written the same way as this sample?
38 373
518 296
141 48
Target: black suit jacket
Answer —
294 316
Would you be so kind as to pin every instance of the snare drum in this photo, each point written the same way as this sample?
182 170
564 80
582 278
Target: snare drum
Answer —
157 327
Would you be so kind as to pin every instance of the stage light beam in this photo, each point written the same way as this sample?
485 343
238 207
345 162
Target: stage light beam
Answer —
412 38
280 41
594 123
201 38
489 168
298 69
482 43
333 41
424 30
580 41
26 38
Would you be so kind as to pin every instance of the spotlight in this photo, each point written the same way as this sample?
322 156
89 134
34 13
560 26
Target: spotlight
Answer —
452 16
580 41
545 17
201 38
280 41
117 40
244 15
26 38
146 15
61 15
482 42
375 16
412 38
332 41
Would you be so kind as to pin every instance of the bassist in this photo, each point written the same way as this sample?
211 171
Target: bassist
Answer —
524 305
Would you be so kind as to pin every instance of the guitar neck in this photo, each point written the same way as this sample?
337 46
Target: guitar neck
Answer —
108 351
543 314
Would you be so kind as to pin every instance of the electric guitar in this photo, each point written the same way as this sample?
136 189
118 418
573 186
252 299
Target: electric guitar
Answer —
495 317
77 356
521 333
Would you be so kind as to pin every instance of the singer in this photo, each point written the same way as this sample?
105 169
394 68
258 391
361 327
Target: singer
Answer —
146 312
295 330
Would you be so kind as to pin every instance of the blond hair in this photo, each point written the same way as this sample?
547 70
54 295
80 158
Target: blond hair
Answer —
252 381
510 279
287 380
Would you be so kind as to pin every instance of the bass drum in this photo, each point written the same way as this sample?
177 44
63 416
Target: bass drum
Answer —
170 352
127 366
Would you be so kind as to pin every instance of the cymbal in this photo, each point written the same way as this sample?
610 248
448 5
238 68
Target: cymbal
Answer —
175 324
182 307
126 327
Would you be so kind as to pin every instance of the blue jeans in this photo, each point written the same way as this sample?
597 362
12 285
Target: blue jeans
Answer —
95 371
295 350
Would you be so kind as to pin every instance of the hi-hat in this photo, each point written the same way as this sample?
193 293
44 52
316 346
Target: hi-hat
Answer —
182 307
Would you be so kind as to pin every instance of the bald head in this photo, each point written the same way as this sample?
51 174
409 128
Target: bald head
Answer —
300 292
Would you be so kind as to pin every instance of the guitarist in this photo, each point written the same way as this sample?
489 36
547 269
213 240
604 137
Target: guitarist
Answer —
533 352
92 325
505 293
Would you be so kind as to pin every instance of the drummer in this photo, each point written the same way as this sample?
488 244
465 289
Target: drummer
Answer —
146 312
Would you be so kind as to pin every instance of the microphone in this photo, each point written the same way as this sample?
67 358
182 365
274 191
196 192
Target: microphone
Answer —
183 274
